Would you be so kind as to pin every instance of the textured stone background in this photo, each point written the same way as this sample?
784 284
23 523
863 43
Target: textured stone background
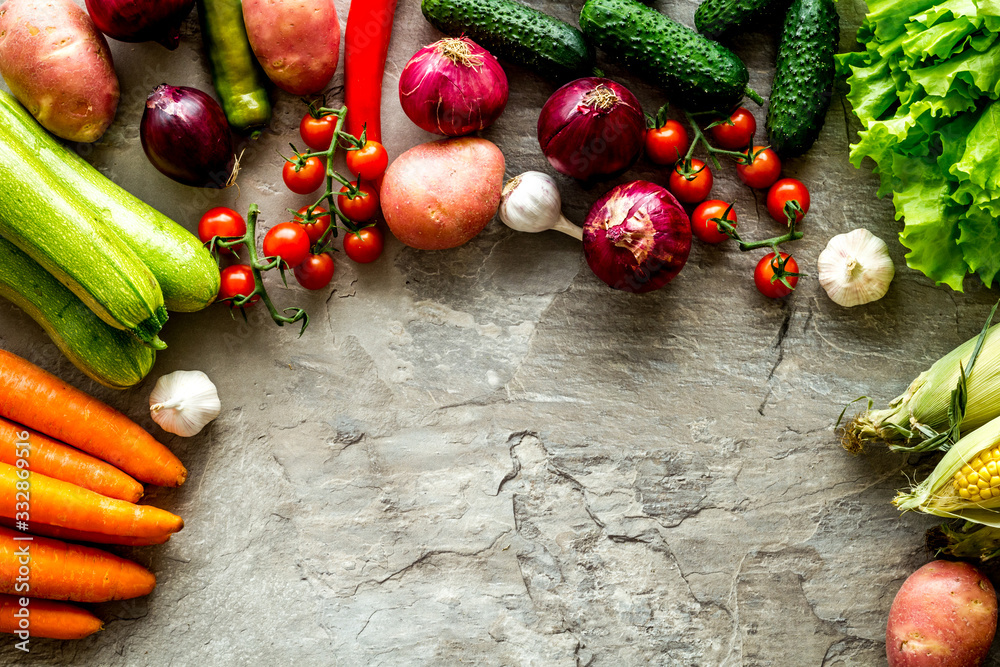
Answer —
484 456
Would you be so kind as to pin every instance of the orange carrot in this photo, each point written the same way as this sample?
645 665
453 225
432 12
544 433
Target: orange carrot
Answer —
60 571
39 400
54 459
66 505
45 618
84 536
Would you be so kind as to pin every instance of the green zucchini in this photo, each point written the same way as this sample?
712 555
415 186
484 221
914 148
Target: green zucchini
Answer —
517 33
238 78
110 356
803 76
187 273
69 239
716 18
695 72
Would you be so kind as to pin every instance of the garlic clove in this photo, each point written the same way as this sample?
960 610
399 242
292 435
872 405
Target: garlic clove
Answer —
855 268
531 202
183 402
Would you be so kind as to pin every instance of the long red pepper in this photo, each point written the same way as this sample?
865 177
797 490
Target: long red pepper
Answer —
366 45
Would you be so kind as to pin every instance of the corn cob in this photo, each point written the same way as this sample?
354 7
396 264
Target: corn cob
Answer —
965 483
927 405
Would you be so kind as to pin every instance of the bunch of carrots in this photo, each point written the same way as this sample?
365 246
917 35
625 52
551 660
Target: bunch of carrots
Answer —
85 465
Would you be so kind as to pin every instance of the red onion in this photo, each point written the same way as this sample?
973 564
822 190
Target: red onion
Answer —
591 127
453 87
186 136
141 20
637 237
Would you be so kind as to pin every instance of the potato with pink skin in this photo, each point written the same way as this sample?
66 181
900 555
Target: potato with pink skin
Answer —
297 42
58 66
945 615
440 194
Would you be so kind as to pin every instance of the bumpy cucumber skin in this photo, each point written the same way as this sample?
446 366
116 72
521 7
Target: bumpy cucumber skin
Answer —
695 72
69 239
185 270
717 18
516 33
803 76
238 78
110 356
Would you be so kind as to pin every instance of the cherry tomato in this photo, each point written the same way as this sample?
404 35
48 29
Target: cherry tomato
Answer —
288 241
694 188
305 179
783 191
237 280
315 272
369 161
363 207
667 144
764 275
739 134
221 221
365 246
317 132
318 226
763 171
701 220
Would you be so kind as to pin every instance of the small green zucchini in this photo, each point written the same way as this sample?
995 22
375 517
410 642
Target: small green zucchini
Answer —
517 33
695 72
110 356
187 273
70 240
803 76
238 78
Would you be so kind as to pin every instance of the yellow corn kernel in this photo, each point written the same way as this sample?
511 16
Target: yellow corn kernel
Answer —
966 470
964 493
986 494
991 467
972 478
977 463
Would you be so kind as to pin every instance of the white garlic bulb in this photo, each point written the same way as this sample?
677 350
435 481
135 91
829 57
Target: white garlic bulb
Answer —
855 268
531 203
183 402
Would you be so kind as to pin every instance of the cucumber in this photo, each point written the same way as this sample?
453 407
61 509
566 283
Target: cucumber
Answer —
236 74
695 72
110 356
187 273
69 239
516 33
803 76
717 18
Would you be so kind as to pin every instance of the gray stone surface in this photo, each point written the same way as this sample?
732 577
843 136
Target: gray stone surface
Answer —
485 456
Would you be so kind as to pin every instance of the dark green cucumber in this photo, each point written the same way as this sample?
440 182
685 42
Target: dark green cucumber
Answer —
113 357
187 273
695 72
516 33
69 239
238 78
803 76
716 18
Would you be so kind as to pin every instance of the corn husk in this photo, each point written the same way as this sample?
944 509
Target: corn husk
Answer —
967 541
936 494
924 408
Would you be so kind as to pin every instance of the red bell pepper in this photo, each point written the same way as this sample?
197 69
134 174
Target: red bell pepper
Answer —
366 45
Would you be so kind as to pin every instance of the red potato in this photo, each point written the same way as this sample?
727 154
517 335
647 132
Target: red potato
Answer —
297 42
945 615
58 65
440 194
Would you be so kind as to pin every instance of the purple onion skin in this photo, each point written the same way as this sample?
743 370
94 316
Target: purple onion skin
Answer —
141 20
589 136
186 136
453 94
637 237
